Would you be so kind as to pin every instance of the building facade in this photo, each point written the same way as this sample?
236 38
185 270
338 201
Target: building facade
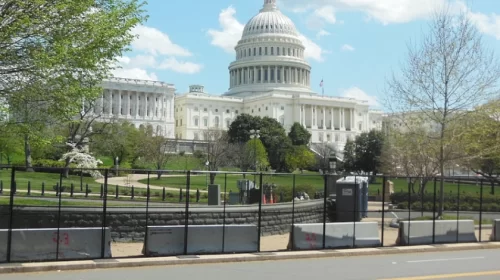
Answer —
138 102
269 77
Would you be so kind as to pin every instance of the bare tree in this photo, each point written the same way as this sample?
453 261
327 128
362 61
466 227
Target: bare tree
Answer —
157 149
219 150
323 152
445 75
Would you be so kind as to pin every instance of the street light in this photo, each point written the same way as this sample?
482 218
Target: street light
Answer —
255 134
332 161
206 176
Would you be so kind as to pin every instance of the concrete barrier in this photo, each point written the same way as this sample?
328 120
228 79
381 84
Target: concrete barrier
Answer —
169 240
421 232
41 244
495 232
337 235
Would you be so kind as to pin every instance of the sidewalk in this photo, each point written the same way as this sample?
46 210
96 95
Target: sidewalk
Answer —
231 258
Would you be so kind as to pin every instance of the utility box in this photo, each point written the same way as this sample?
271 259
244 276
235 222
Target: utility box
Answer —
351 199
214 195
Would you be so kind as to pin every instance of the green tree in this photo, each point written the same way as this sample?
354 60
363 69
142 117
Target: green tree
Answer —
368 151
300 157
481 142
120 140
299 135
239 130
156 149
256 154
57 53
349 157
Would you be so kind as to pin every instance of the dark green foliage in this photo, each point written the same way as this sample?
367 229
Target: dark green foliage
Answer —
467 201
299 135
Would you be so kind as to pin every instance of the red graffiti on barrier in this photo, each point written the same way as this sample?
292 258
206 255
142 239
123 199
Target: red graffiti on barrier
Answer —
311 239
63 238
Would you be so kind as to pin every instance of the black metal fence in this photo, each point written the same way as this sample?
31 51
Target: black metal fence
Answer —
49 214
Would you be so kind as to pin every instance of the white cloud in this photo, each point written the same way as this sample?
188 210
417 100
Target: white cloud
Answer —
487 24
155 42
232 30
357 93
326 13
322 33
134 73
180 66
347 48
152 46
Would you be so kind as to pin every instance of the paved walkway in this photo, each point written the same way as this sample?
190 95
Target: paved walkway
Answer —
133 180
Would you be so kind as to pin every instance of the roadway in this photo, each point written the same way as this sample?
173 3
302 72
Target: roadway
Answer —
477 264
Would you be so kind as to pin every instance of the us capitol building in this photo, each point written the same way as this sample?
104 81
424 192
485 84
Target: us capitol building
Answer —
269 77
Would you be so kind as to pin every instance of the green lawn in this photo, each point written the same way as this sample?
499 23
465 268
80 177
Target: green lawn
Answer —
313 179
36 179
229 181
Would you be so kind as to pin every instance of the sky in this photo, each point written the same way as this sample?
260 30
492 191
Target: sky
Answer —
352 45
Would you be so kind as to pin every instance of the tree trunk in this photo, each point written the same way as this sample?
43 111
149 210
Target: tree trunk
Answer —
27 154
66 167
212 178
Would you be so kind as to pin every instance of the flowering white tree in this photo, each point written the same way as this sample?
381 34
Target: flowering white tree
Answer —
83 159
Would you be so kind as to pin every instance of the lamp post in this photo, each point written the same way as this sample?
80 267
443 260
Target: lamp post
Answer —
206 177
255 134
332 161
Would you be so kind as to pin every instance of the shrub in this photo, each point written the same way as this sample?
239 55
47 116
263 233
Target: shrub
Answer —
288 192
466 202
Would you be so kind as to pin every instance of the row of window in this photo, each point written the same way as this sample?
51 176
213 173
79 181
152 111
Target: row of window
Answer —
196 109
293 52
205 122
267 108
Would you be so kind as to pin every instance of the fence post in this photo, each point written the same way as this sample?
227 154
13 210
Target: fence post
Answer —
11 214
29 187
481 211
117 192
384 182
81 180
224 215
434 214
180 195
186 213
86 190
261 194
133 193
57 189
43 188
147 214
72 190
1 186
458 207
293 213
164 194
325 187
104 195
197 195
410 182
59 215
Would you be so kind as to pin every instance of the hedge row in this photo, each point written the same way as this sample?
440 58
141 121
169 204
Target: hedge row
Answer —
452 202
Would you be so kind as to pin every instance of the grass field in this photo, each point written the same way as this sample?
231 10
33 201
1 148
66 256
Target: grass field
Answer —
314 179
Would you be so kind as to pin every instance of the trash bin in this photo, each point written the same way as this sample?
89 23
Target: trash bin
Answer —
351 198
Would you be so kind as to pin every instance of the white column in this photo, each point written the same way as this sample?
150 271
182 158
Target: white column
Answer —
324 117
313 109
332 126
300 114
254 74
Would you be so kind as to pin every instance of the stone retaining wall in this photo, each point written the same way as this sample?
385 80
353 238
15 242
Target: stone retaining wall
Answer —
129 224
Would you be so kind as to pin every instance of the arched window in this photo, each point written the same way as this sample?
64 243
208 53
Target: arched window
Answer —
216 121
196 121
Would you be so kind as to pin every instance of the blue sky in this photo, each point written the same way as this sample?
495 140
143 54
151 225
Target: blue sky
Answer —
352 44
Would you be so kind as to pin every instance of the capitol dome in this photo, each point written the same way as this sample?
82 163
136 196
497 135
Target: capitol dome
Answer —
270 21
269 55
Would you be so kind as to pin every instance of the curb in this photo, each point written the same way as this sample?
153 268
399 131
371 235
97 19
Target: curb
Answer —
212 259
